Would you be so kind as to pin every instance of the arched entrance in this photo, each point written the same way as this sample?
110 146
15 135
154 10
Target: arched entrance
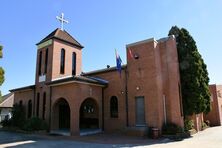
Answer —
61 112
89 114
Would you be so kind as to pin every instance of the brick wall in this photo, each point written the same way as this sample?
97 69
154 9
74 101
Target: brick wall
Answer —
116 87
24 96
75 94
198 120
215 115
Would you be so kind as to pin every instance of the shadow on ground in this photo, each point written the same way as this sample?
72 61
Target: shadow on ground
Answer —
20 140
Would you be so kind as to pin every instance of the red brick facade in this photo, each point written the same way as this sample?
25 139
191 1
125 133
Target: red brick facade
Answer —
198 120
215 115
149 86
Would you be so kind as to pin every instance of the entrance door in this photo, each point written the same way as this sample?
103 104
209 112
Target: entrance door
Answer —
140 111
64 116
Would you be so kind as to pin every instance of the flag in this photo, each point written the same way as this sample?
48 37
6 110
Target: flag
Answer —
118 63
129 54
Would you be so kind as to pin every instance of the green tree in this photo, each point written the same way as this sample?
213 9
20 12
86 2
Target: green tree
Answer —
18 116
193 74
1 71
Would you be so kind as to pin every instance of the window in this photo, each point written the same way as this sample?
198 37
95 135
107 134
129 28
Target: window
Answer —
62 61
29 108
20 103
40 62
180 97
114 107
73 63
43 106
46 60
37 105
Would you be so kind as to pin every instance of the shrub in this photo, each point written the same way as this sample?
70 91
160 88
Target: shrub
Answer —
171 129
6 123
18 116
207 122
35 124
203 125
188 124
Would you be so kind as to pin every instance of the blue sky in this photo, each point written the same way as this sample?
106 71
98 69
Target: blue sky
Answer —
101 26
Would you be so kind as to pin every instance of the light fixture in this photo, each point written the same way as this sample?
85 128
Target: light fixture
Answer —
137 88
136 56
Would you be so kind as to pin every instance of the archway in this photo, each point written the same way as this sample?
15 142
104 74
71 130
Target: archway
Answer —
89 114
61 112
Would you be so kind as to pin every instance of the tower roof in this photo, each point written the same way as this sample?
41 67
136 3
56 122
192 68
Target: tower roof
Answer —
63 36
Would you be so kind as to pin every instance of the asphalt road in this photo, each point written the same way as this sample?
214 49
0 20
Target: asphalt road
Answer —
209 138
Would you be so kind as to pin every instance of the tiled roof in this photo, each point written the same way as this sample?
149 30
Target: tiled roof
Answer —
102 70
23 88
63 36
80 79
7 101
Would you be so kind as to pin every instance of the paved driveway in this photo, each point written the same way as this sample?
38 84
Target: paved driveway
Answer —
11 139
209 138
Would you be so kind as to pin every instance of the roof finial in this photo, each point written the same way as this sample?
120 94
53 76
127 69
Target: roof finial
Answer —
62 20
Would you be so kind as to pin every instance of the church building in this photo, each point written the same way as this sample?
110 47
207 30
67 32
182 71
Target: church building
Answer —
147 94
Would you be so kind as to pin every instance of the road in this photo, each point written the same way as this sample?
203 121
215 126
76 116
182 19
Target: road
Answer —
209 138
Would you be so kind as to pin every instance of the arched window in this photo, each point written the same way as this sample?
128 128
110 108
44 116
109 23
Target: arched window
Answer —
62 61
30 109
114 107
40 62
20 103
43 106
73 63
37 105
46 60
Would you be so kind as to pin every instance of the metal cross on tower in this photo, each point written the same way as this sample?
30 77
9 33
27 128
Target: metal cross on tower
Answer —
62 20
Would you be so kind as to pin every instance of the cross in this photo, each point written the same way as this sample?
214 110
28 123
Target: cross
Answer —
62 20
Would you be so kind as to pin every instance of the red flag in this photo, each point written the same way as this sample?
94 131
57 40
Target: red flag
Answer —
129 54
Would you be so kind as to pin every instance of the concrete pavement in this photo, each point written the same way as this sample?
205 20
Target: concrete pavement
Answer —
209 138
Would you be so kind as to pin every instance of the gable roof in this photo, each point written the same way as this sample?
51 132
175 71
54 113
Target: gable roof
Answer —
63 36
31 87
79 79
103 70
7 101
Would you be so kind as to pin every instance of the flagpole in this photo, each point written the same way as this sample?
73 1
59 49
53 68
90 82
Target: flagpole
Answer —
119 68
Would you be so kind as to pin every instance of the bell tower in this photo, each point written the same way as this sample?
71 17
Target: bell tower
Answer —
58 55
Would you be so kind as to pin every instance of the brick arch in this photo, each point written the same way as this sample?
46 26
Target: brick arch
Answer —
60 99
61 114
89 114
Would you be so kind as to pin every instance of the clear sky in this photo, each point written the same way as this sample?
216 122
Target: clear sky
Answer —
101 26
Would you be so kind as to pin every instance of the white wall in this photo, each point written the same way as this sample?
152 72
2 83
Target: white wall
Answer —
5 112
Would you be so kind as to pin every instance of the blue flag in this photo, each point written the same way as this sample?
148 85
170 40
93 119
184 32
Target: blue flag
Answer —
118 63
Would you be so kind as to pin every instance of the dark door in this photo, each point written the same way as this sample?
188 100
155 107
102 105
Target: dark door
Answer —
140 111
64 116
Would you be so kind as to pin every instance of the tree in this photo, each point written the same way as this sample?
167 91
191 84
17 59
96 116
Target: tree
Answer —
18 116
193 74
1 71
